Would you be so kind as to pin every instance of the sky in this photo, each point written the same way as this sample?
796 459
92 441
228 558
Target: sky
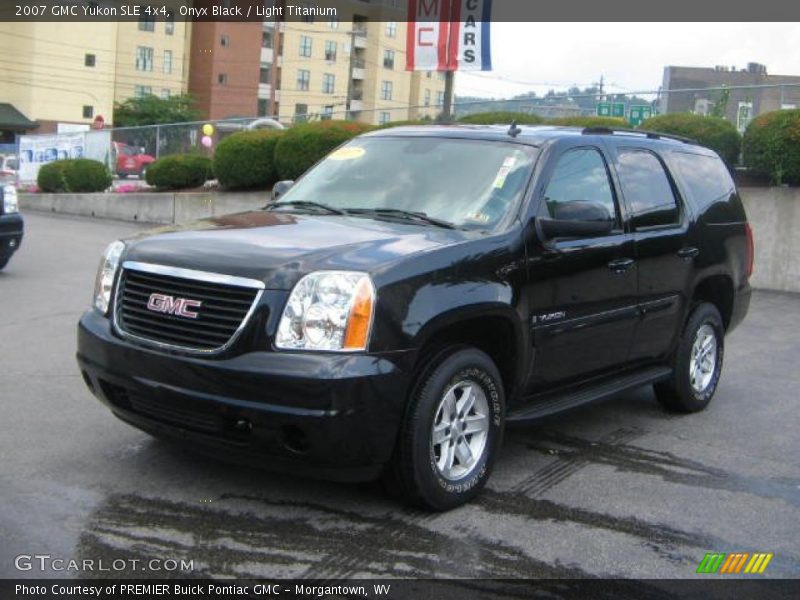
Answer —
629 56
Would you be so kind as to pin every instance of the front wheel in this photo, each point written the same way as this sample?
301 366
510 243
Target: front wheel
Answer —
697 364
452 431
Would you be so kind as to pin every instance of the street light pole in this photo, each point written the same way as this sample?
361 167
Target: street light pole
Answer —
447 109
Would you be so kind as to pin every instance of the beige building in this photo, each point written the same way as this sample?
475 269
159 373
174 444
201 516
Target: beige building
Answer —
350 65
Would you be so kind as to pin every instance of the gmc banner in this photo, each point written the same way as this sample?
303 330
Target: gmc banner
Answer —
449 35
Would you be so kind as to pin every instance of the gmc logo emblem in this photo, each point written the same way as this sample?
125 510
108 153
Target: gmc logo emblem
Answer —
169 305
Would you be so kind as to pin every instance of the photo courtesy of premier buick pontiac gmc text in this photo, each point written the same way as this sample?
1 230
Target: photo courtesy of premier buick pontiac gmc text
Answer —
418 289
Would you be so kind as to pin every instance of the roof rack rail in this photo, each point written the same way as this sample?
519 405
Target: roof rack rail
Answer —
652 135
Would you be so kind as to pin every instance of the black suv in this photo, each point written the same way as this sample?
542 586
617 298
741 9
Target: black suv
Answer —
418 289
11 224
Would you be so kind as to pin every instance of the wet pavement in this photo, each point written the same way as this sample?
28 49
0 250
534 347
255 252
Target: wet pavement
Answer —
616 489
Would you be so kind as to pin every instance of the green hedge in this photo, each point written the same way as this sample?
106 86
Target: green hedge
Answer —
78 175
611 122
771 146
712 132
303 145
180 171
246 160
501 118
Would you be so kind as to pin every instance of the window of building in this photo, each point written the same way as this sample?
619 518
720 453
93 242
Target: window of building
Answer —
327 112
263 104
327 83
265 75
427 97
308 18
580 177
222 79
167 61
305 45
391 29
89 60
330 51
144 58
140 91
266 39
225 40
333 23
384 117
300 112
165 93
147 23
388 59
440 75
439 98
303 78
88 111
169 23
647 189
429 74
386 90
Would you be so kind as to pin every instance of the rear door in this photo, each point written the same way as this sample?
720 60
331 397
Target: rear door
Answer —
665 248
581 291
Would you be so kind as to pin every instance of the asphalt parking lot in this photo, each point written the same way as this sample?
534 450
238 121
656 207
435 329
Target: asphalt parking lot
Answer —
620 489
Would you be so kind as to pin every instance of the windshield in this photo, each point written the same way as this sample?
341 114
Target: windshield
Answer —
468 183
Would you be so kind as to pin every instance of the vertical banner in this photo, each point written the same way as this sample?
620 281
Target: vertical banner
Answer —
449 35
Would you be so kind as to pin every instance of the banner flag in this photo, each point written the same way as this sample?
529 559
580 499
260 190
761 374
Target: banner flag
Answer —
449 35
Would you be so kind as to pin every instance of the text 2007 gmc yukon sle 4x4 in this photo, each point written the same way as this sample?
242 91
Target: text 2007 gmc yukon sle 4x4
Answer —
418 289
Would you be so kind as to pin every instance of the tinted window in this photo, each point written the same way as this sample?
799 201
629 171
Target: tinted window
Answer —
580 182
647 189
706 178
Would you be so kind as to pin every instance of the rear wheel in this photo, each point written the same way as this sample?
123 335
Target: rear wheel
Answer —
697 364
452 431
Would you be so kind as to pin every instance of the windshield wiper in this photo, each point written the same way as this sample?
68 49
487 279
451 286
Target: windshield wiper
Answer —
307 204
419 217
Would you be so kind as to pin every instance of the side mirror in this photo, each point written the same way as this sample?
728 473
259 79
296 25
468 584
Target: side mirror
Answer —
280 188
576 219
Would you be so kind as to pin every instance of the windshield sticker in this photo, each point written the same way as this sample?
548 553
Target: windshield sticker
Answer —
500 180
478 217
348 153
510 161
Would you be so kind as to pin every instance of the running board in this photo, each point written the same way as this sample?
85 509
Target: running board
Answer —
555 402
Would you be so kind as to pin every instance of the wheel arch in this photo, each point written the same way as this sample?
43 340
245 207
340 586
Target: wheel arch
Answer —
718 290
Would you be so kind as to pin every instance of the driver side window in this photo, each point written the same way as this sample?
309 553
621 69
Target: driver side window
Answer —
580 189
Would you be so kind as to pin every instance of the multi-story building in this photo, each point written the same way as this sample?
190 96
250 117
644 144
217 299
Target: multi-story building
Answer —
750 92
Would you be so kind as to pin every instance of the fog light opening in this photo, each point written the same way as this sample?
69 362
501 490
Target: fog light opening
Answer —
88 381
294 439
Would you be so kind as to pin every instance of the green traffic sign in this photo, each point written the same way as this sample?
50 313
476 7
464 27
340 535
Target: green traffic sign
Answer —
618 109
638 114
603 109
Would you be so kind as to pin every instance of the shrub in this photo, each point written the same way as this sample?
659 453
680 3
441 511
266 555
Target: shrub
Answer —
611 122
771 146
712 132
303 145
246 160
501 118
79 175
179 171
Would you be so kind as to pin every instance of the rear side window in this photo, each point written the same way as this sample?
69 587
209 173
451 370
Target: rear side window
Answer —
647 189
706 177
579 184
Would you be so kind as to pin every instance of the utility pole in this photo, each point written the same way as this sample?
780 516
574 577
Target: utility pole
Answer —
447 109
602 98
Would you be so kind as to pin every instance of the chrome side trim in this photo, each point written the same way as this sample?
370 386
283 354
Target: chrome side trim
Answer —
186 274
192 274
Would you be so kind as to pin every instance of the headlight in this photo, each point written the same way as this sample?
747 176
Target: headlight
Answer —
328 310
105 275
10 204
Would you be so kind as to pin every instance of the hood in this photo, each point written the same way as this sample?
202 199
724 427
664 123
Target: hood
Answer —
279 248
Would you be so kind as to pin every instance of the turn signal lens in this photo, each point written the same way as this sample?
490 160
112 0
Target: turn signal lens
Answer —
360 319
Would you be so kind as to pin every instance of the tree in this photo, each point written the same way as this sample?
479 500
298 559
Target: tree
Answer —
152 110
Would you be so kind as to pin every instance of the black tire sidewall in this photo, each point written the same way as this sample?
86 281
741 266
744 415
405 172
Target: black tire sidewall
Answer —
432 489
692 400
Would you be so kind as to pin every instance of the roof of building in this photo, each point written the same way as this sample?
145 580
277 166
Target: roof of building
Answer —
11 118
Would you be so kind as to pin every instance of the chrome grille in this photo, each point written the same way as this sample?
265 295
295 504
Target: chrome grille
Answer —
225 303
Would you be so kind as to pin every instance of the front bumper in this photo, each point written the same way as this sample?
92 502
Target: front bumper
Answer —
11 231
332 415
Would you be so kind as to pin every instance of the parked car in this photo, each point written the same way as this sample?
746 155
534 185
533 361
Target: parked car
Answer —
131 160
417 290
11 224
9 165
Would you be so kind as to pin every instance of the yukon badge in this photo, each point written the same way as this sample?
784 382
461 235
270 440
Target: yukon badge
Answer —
169 305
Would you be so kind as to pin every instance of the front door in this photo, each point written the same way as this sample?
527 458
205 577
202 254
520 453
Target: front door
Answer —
582 292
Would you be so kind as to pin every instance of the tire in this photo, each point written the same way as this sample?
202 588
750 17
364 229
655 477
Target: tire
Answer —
423 472
684 392
4 262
